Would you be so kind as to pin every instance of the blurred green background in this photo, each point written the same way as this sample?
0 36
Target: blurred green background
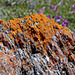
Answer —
51 8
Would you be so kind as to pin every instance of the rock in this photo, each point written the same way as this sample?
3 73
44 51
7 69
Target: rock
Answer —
36 45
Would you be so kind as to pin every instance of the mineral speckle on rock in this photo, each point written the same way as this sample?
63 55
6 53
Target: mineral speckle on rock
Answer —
36 45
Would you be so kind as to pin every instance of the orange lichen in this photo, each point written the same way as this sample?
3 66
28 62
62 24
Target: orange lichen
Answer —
36 35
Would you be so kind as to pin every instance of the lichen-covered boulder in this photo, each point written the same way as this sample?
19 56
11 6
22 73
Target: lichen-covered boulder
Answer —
36 45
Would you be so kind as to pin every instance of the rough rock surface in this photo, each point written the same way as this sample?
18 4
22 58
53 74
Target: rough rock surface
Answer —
36 45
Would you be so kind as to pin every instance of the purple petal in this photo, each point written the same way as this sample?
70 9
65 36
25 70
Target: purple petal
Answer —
58 20
73 12
60 17
66 22
48 16
39 12
52 9
63 24
55 6
56 17
41 9
73 6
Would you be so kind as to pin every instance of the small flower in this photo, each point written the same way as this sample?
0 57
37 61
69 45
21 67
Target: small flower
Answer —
73 12
65 23
56 17
60 17
48 16
41 9
54 8
58 20
39 12
73 6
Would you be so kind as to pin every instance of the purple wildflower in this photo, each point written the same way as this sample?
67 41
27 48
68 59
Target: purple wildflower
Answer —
39 12
60 17
73 12
73 6
48 16
54 8
58 20
56 17
65 23
41 9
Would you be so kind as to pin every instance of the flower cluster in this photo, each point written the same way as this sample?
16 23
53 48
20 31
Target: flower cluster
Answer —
58 19
41 10
65 23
